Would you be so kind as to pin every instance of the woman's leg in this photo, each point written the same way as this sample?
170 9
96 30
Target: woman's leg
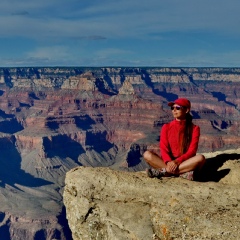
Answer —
154 160
193 163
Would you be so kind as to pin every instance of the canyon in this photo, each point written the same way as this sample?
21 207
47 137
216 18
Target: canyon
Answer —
53 120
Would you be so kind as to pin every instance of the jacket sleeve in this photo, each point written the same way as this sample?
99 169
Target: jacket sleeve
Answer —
164 145
192 150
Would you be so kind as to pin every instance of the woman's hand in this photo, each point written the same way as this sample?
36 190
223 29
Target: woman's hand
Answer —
172 167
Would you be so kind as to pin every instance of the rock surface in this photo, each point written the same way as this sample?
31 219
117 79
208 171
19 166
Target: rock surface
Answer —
107 204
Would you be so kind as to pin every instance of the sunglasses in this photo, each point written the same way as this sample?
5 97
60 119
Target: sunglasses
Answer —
177 108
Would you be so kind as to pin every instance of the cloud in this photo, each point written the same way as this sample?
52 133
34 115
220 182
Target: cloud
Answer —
21 13
41 56
149 32
112 52
53 53
60 56
118 19
92 37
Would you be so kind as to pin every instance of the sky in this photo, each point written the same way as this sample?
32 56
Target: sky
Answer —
133 33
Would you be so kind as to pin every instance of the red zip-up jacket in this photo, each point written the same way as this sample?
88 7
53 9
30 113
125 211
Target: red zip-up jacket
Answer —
169 141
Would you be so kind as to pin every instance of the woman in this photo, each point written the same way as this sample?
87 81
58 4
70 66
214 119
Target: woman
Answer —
178 145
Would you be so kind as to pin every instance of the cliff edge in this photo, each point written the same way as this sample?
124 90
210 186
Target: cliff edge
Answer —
106 204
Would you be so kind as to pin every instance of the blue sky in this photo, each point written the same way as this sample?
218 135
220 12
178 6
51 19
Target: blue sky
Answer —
172 33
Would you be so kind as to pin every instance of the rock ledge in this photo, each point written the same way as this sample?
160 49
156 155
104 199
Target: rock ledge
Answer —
105 204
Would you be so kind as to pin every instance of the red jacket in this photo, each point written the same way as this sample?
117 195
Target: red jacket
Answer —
169 141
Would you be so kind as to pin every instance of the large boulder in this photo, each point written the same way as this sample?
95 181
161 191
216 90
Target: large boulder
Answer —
106 204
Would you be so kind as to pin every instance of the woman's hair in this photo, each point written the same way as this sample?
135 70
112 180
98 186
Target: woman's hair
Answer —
187 134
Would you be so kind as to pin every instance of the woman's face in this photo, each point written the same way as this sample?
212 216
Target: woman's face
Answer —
179 112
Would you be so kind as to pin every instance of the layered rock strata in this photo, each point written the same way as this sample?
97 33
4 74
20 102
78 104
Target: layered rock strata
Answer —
55 119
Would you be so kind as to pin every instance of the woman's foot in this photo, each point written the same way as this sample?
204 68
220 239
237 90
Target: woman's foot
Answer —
153 172
187 175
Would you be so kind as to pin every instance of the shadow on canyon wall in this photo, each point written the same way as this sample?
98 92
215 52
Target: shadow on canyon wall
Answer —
5 232
9 123
222 97
62 146
158 89
11 172
211 172
62 219
4 229
83 122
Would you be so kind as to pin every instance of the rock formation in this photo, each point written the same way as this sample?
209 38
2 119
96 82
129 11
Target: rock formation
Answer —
107 204
56 119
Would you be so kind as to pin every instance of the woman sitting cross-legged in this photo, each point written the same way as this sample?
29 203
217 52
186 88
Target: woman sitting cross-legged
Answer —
178 145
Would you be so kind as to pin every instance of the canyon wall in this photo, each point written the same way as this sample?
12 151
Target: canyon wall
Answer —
55 119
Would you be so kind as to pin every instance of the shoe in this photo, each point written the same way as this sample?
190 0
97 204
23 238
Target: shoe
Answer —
152 172
187 175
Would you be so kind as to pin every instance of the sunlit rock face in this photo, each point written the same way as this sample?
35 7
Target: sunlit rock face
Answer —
55 119
126 205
